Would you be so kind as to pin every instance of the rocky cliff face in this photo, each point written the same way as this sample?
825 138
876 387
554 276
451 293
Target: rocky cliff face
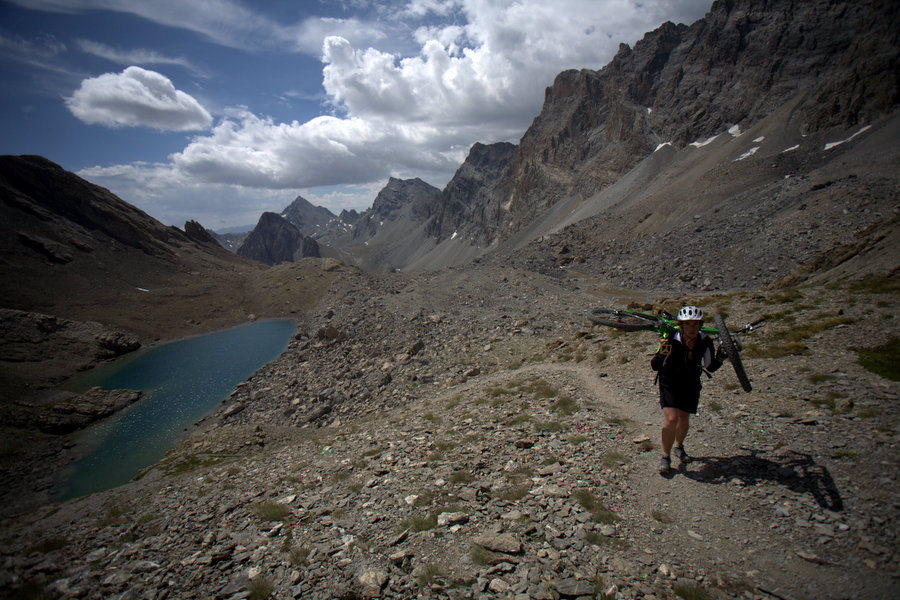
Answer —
411 200
837 61
275 240
464 206
307 218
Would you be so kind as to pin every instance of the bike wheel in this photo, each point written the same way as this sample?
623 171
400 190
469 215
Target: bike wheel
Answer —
733 355
613 318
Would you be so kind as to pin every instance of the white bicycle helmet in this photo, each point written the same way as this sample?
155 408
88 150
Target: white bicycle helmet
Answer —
689 313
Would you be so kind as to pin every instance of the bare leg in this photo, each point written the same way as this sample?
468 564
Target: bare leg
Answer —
669 429
681 427
675 428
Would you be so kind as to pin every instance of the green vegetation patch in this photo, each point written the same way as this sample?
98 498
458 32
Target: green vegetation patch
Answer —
513 493
429 574
599 512
611 460
270 511
430 416
877 285
565 406
518 419
598 539
691 592
776 350
193 462
49 545
810 328
538 387
260 588
882 360
549 427
483 556
820 377
461 477
417 524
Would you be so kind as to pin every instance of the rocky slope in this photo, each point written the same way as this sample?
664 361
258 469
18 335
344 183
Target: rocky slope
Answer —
467 434
835 63
761 207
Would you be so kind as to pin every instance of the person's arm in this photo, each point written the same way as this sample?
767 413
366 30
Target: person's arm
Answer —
662 352
714 361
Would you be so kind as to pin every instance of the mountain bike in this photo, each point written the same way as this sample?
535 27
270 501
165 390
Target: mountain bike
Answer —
666 325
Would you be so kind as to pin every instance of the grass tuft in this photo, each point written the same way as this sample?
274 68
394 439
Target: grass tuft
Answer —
691 592
430 416
461 477
565 406
882 360
518 419
549 427
599 512
514 493
429 574
260 588
416 524
270 511
598 539
49 545
611 460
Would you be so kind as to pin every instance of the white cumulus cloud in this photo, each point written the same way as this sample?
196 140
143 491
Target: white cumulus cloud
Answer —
137 97
250 151
408 92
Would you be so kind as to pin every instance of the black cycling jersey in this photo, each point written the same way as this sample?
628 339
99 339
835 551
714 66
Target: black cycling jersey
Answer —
679 369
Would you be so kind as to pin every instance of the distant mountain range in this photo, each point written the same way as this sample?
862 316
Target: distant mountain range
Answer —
802 71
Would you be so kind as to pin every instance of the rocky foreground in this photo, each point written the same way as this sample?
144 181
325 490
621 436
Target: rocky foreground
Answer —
467 434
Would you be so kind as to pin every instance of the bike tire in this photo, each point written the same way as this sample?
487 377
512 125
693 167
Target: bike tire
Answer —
612 318
733 355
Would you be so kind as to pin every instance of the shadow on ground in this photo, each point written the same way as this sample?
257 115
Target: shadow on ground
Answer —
796 471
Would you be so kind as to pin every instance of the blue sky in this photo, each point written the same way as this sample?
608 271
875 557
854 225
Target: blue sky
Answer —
218 110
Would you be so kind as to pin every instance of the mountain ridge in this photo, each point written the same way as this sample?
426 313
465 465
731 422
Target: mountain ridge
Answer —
821 67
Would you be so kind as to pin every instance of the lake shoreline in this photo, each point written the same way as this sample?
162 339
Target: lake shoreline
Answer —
35 460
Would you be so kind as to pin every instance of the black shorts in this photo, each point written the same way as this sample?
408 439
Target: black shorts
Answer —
686 400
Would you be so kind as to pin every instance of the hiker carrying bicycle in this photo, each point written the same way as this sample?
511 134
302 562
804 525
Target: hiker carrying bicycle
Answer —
679 362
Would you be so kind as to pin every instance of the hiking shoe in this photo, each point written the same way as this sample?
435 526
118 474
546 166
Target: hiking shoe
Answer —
681 455
665 464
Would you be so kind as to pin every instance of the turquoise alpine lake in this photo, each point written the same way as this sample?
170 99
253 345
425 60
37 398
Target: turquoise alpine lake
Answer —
181 382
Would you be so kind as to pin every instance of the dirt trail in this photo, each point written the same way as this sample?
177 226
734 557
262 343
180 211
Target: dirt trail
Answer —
713 513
